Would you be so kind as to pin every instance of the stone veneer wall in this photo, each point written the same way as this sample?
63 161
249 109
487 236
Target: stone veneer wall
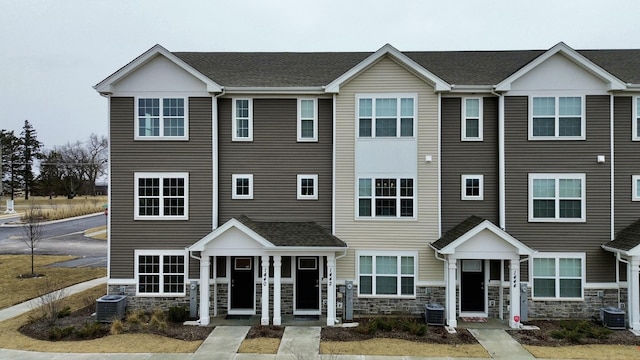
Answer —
392 306
586 309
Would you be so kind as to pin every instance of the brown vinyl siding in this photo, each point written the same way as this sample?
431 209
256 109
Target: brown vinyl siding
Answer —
524 157
626 164
275 158
193 156
468 158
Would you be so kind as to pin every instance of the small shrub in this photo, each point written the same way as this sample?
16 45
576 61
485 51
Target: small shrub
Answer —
136 317
90 330
117 327
178 314
64 312
56 333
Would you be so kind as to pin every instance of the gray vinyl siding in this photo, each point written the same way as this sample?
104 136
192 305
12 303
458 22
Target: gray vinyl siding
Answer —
129 156
627 155
524 157
275 158
468 158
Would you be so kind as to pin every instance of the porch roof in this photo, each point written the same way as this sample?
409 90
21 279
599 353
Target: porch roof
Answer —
271 235
627 241
470 229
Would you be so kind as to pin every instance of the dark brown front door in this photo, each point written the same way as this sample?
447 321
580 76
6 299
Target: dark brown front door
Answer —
307 284
472 286
242 283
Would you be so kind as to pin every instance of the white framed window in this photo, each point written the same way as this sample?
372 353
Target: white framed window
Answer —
161 272
242 186
161 119
161 196
307 120
472 187
242 126
386 115
558 276
471 119
557 197
635 188
386 198
635 131
307 187
557 118
387 274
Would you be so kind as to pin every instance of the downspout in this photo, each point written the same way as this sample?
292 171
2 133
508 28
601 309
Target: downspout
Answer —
214 136
439 165
621 260
501 162
611 156
333 171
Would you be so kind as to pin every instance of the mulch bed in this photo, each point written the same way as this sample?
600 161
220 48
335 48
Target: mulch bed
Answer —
80 325
544 336
259 331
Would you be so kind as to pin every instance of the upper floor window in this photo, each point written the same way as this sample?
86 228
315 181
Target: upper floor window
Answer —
557 118
635 188
242 127
386 116
472 119
557 197
472 187
161 118
161 272
242 186
385 198
307 120
387 274
635 135
307 187
161 196
558 276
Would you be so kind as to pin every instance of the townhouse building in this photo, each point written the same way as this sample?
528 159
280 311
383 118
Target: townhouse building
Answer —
495 183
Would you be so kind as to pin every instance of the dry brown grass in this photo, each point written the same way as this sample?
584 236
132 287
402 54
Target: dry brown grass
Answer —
44 201
10 338
586 352
61 207
16 290
397 347
100 232
259 346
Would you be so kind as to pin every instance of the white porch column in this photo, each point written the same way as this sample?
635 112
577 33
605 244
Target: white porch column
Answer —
633 292
264 319
331 290
452 267
514 293
277 273
204 290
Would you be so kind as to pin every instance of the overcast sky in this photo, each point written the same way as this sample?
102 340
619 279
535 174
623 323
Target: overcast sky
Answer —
53 52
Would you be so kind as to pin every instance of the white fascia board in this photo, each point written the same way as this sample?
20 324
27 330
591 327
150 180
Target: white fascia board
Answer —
438 84
318 90
576 57
304 250
471 88
105 86
614 250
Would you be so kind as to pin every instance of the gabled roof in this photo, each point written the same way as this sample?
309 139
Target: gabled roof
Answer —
326 71
470 227
274 234
388 50
105 86
576 57
627 241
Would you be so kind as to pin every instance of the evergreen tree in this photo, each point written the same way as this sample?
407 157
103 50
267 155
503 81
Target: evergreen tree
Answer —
31 149
11 160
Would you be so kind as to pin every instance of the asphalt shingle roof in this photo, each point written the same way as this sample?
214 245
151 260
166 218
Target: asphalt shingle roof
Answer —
457 231
303 234
291 69
627 239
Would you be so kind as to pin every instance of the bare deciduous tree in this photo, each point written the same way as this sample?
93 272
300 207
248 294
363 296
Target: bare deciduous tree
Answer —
32 230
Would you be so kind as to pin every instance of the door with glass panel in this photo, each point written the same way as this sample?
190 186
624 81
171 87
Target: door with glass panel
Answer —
241 293
308 285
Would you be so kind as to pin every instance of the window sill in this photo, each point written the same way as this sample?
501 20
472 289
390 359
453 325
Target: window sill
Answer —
161 138
557 299
386 219
404 297
557 138
471 139
549 220
242 139
157 295
161 218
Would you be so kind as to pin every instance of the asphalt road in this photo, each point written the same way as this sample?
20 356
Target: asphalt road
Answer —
60 238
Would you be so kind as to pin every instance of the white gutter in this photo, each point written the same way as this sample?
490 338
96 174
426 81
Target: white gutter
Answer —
314 90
